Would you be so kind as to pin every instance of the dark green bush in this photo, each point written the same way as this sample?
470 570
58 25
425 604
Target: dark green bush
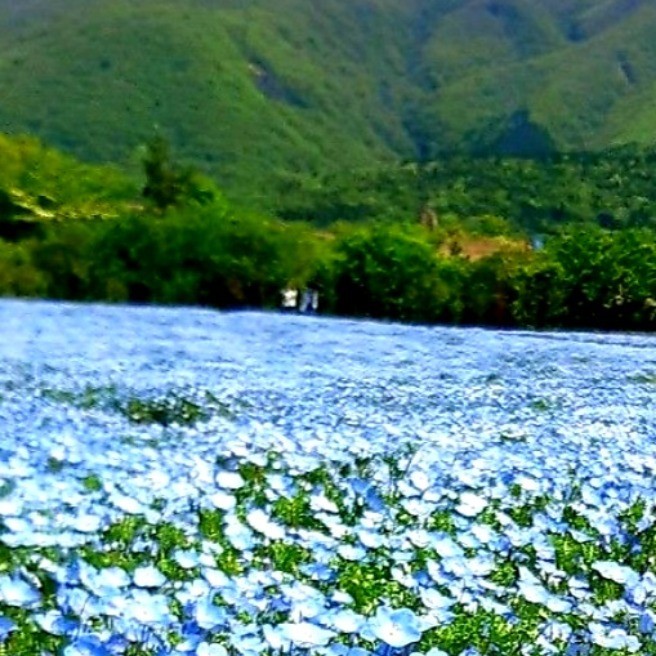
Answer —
388 272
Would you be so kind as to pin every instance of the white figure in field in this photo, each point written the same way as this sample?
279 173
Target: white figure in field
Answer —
289 299
309 301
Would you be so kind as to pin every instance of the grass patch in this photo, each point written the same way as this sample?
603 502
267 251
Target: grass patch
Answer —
644 378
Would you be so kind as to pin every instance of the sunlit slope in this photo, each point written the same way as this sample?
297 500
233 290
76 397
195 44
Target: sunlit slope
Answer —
234 89
593 89
250 88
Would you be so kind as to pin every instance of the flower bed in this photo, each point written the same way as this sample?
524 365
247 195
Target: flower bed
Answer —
187 482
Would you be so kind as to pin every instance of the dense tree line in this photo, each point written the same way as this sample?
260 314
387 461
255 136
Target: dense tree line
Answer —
582 278
613 189
85 233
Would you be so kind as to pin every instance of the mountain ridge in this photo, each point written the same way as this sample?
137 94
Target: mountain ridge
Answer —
248 89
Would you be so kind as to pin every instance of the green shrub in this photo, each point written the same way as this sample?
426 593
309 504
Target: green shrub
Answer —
19 276
387 272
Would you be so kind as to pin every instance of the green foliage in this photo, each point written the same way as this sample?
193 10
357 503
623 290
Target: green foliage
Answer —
40 185
388 273
19 275
367 581
295 512
165 411
30 639
608 280
490 292
243 90
284 557
92 483
65 257
539 296
448 261
485 195
193 255
168 184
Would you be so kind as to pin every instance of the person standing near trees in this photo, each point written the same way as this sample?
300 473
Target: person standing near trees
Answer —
289 299
309 301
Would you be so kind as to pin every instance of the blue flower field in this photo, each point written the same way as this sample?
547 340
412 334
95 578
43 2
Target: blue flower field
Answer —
186 482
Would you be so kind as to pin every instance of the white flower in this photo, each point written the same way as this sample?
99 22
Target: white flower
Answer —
148 577
223 500
615 572
229 480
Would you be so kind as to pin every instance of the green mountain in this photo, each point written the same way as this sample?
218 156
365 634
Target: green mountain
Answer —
248 89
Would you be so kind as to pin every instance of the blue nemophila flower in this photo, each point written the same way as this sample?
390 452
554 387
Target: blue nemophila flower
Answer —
359 651
446 547
502 610
6 627
261 522
207 649
346 621
246 639
148 577
55 623
319 502
223 500
207 556
305 634
578 587
110 577
469 541
229 480
647 622
16 524
10 507
531 588
371 539
433 599
149 609
481 565
420 479
555 631
86 523
420 508
613 638
401 575
615 572
128 505
276 638
319 572
340 597
557 605
593 454
191 591
216 578
17 592
208 616
419 538
351 552
375 501
396 628
240 536
186 559
306 608
86 646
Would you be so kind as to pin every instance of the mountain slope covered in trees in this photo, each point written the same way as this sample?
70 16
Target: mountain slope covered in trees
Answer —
248 89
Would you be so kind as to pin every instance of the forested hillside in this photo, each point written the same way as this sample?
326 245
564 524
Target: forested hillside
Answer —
250 89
